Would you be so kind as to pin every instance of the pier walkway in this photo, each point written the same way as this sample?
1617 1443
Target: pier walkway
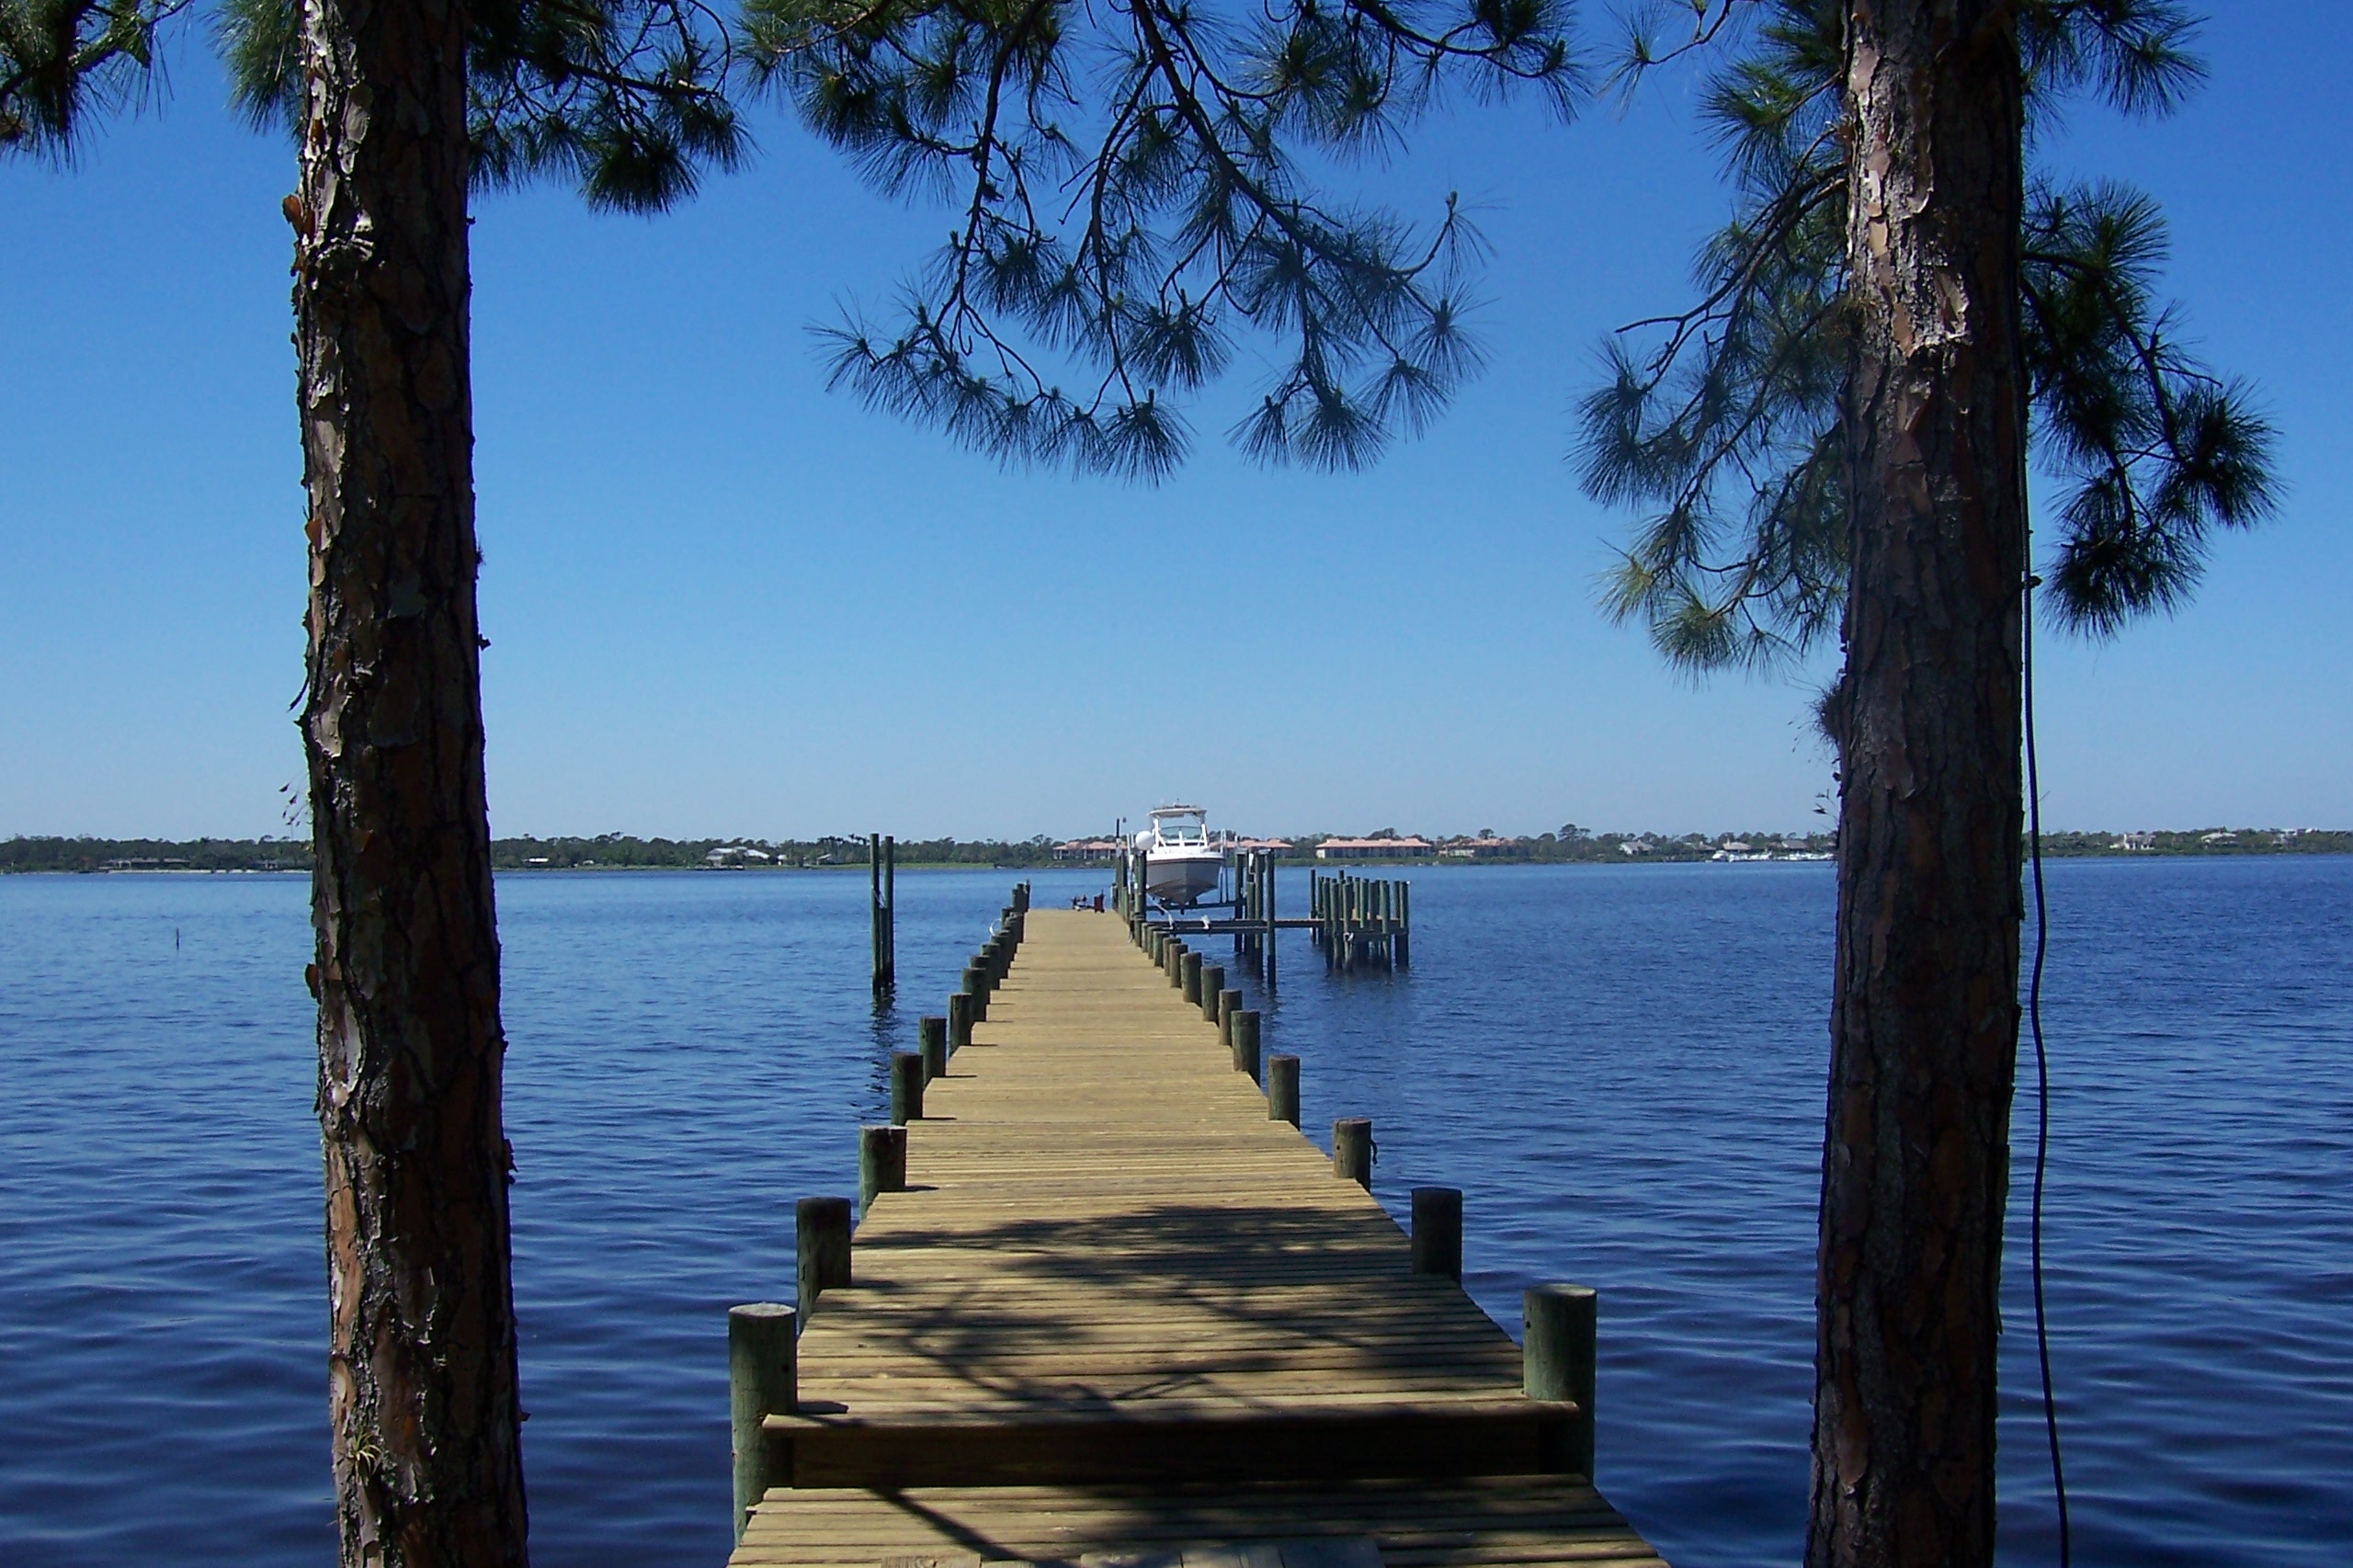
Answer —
1120 1318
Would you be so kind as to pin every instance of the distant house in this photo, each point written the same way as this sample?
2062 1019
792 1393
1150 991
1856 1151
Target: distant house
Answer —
2136 841
1270 846
1479 848
1374 850
2224 838
1084 849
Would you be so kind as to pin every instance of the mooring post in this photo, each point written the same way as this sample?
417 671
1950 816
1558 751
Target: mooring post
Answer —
931 1041
763 1380
1438 1232
882 1163
1192 979
1405 925
875 938
1282 1089
1178 954
1206 986
960 1022
1228 1004
1352 1150
907 1088
821 1234
1556 1361
1246 1055
975 985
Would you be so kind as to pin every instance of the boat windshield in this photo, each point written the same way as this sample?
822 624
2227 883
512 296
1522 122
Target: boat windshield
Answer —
1191 829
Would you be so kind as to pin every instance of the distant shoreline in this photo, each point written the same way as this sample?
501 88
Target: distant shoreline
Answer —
623 853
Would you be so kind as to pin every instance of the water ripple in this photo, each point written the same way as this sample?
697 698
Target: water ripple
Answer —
1623 1068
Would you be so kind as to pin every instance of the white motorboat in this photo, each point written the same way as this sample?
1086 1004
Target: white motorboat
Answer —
1181 862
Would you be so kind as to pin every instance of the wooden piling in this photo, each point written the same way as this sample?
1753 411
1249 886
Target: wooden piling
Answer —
763 1378
907 1088
882 910
931 1036
1206 986
1246 1055
960 1022
1557 1363
1352 1150
1268 914
1229 1002
1438 1232
1192 979
820 1236
882 1163
1282 1089
975 985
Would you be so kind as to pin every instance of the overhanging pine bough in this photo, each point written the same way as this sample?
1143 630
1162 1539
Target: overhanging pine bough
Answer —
1725 417
1132 195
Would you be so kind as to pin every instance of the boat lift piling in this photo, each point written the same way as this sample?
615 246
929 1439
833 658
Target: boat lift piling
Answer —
1355 922
1358 920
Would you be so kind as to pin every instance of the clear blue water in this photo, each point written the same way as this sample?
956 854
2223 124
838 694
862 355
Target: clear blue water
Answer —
1623 1068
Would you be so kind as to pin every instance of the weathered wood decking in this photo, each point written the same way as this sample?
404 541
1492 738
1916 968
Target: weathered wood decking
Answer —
1122 1316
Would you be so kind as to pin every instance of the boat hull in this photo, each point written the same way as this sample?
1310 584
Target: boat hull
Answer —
1182 876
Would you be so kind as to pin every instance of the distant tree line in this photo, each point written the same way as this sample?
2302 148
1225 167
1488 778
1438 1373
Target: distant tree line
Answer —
1572 845
155 855
611 849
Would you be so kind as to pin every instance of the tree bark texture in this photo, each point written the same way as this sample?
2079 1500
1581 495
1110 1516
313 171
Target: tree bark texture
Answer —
421 1367
1924 1016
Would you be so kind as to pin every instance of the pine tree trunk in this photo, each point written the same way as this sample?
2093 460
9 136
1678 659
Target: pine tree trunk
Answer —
1924 1023
421 1365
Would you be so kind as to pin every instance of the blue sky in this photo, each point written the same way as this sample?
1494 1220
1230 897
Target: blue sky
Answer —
722 600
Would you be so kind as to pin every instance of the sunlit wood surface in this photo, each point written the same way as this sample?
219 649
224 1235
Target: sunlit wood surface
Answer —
1119 1312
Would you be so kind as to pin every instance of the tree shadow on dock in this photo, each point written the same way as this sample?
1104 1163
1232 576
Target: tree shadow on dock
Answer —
1162 1301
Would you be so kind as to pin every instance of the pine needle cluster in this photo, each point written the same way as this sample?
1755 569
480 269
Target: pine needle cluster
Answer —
1135 190
1726 419
62 61
627 98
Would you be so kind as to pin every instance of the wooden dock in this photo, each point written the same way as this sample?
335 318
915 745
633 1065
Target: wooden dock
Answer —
1118 1317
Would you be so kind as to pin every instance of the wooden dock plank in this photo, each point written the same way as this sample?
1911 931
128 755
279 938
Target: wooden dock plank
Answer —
1111 1268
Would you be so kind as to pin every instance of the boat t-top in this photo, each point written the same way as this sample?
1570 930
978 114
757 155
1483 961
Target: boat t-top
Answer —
1181 862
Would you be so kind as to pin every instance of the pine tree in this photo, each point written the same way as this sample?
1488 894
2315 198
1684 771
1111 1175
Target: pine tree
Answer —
1839 434
398 105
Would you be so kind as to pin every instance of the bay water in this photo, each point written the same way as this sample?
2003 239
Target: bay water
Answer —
1622 1067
